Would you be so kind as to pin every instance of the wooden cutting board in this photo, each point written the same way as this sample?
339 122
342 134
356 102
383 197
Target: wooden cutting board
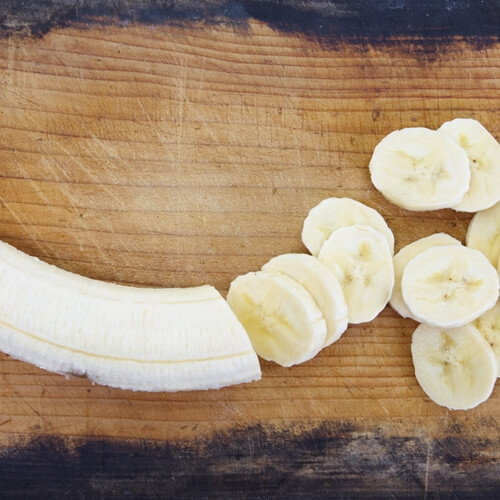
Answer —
165 153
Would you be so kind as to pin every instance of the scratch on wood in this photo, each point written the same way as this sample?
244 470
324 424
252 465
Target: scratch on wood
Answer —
427 467
33 229
180 109
44 199
120 203
6 421
20 396
201 81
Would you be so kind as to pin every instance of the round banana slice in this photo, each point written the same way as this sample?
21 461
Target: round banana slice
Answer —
333 213
360 258
455 367
489 326
483 233
281 318
403 257
321 283
449 286
483 151
420 169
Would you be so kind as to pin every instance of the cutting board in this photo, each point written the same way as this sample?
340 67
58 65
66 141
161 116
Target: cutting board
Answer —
169 152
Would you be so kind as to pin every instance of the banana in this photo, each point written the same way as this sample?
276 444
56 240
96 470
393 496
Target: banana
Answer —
420 169
489 326
333 213
282 320
449 286
483 233
360 258
321 283
483 152
455 367
126 337
403 257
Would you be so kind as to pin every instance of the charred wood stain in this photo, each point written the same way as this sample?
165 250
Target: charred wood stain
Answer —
429 24
329 460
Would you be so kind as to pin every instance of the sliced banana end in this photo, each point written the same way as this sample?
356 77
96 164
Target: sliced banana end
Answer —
126 337
280 316
456 368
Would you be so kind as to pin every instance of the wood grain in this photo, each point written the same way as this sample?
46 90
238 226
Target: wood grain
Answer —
166 156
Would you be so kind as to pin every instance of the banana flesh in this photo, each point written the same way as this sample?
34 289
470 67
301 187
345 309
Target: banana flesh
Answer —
360 257
483 233
489 326
456 368
403 257
321 283
126 337
449 286
483 152
283 322
334 213
420 169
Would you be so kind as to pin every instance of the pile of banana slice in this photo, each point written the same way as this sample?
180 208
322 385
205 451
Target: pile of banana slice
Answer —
451 289
297 303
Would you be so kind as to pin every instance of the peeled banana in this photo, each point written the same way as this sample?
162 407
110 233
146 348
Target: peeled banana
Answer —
131 338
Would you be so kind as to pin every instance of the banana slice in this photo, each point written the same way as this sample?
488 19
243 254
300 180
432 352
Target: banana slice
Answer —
489 326
420 169
281 318
483 233
484 161
321 283
333 213
360 258
456 367
131 338
449 286
403 257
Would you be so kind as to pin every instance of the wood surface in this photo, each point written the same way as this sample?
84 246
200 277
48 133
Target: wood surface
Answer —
176 156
